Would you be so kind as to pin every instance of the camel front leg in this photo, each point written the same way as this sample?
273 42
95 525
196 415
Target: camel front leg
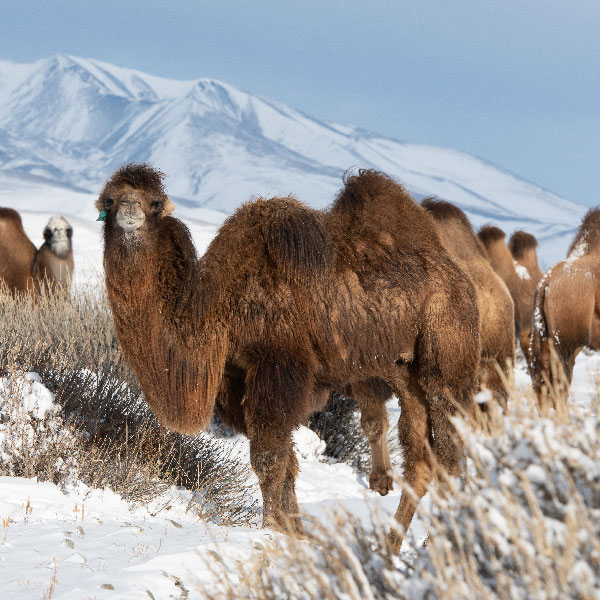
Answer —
269 457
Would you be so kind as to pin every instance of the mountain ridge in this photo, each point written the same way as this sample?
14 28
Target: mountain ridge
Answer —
73 121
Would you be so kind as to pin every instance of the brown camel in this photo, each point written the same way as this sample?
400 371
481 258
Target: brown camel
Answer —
286 304
503 263
496 307
22 267
566 315
522 246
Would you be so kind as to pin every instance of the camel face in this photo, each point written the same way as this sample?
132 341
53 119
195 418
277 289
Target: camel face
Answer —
130 209
58 235
133 200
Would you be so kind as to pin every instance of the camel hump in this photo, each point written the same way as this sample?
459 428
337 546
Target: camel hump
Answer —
441 210
587 238
521 241
296 239
368 191
9 214
489 234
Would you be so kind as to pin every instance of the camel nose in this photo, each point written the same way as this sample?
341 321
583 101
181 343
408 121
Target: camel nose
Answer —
130 207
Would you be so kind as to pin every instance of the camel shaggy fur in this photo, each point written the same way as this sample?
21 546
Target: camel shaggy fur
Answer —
496 307
22 267
566 315
287 304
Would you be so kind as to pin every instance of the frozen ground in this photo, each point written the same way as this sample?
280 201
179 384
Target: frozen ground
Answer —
92 544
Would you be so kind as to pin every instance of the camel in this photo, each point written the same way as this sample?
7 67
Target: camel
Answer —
566 315
503 263
25 269
287 304
496 307
522 246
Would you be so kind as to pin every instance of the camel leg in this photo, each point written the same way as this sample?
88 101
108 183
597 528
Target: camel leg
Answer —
269 457
371 397
414 436
277 399
288 498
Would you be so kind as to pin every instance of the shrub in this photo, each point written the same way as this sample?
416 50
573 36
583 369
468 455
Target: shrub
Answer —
103 433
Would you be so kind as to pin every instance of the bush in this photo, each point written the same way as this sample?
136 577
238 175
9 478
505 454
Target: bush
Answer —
523 522
103 433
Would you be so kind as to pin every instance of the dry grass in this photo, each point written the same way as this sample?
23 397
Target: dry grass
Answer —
103 434
523 522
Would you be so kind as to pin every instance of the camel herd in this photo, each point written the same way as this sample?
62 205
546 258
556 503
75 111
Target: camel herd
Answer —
376 296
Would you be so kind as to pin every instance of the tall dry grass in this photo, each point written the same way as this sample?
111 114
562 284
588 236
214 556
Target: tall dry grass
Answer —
522 523
103 434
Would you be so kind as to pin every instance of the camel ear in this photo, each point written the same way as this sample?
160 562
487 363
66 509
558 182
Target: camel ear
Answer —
99 205
168 207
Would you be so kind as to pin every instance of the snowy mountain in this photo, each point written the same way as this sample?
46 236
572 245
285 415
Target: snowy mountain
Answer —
72 121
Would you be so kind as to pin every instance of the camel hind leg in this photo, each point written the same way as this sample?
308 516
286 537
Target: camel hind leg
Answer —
441 381
371 396
415 439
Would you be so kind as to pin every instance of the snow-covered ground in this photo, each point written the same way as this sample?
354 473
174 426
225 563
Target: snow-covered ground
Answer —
89 543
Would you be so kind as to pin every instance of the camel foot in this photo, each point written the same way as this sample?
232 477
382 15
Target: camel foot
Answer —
381 482
288 524
394 542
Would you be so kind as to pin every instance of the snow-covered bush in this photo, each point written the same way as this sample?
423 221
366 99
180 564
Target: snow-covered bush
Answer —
99 430
523 522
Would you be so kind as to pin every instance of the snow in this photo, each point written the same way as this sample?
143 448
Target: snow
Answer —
93 543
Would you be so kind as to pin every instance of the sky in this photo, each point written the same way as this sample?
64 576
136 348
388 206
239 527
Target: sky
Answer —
515 82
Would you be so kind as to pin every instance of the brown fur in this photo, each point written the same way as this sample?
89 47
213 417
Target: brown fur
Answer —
522 246
286 304
503 263
567 315
496 307
22 267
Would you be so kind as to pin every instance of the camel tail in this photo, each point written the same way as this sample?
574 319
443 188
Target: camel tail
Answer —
297 242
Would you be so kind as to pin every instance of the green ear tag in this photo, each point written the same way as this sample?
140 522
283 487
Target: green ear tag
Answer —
102 216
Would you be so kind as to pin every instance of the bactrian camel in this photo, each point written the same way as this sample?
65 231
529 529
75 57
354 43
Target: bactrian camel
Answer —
25 269
566 315
287 304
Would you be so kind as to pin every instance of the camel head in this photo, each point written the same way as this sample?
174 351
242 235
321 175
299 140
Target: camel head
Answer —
57 234
134 199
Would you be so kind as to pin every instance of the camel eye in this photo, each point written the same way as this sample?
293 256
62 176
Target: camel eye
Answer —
155 206
108 202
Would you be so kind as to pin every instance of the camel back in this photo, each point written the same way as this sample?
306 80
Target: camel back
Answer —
587 238
279 238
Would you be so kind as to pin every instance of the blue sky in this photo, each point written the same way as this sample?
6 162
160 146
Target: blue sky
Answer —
514 82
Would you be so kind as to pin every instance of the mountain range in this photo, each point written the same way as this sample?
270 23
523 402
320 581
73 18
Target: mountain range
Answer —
68 122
